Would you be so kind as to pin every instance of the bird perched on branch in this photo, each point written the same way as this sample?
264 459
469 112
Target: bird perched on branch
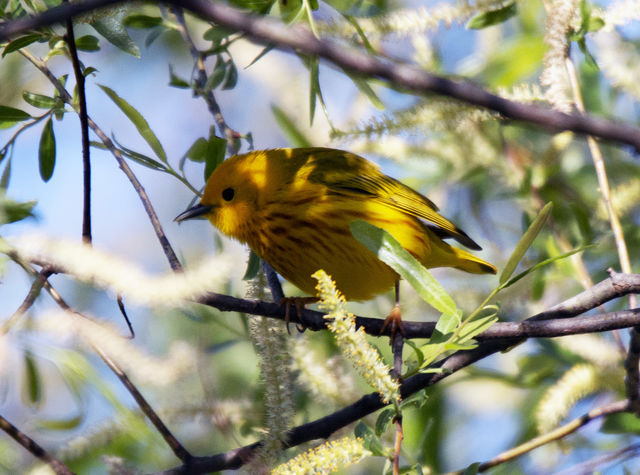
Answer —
293 207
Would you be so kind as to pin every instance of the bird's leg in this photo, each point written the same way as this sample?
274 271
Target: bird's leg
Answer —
397 343
395 317
299 304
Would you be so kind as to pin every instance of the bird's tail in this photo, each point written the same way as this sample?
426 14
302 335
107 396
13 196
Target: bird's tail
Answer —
443 255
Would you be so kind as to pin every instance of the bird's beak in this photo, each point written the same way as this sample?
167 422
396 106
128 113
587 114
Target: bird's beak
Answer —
196 211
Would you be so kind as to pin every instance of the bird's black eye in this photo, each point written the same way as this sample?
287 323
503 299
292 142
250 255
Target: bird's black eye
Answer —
227 194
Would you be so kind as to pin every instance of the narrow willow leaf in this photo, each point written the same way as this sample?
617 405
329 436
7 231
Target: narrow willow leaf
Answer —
142 21
389 251
266 49
253 266
176 81
217 75
61 424
371 441
140 123
113 29
33 386
476 326
290 128
139 157
40 101
215 154
543 263
367 90
21 42
493 17
10 114
47 151
525 242
231 78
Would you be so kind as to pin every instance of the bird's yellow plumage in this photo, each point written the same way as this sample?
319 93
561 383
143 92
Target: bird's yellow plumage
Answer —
293 207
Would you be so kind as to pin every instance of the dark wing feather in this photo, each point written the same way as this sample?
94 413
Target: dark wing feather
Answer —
349 174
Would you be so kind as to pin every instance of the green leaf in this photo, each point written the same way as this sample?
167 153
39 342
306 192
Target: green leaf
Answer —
13 211
371 441
543 263
389 251
216 34
253 266
215 154
367 90
140 123
33 389
88 43
40 101
525 242
385 417
47 151
21 42
198 151
61 424
112 28
231 78
265 50
142 21
295 136
493 17
10 114
88 71
476 326
217 75
176 81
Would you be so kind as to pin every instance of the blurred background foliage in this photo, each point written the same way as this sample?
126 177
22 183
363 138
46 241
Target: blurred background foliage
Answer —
488 175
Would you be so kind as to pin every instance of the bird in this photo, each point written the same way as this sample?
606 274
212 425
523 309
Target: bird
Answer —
293 207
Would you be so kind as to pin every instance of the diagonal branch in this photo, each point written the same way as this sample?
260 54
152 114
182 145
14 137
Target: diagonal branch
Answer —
122 163
34 448
400 75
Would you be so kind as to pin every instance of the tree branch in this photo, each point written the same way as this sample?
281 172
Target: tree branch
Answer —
397 74
36 450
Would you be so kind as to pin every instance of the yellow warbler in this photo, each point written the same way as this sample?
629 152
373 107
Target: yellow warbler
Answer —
293 207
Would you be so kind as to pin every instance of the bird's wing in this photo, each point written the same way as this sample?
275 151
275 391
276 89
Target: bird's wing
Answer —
348 174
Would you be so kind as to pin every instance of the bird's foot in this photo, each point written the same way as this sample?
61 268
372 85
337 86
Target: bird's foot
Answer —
394 322
299 304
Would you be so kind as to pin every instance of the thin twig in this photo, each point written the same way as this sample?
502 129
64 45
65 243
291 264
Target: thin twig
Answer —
84 128
28 301
201 83
632 362
556 434
122 163
177 448
32 446
400 75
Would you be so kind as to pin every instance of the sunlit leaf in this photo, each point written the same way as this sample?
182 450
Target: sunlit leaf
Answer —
525 242
493 17
389 251
253 266
295 136
40 101
139 121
